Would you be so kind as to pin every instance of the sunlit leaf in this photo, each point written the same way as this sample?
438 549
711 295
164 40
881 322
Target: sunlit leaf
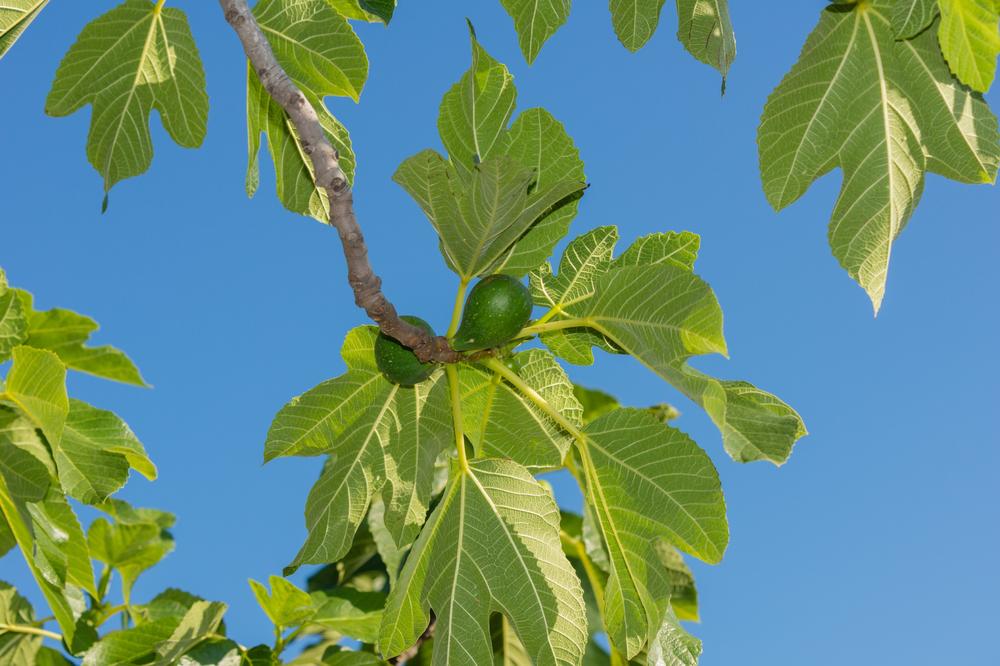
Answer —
883 110
320 52
647 481
389 437
970 39
36 385
492 543
66 333
135 58
501 422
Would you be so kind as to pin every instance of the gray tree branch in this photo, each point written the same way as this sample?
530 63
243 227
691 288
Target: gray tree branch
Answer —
330 177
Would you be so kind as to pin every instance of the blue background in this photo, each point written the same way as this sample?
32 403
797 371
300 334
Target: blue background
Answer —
876 544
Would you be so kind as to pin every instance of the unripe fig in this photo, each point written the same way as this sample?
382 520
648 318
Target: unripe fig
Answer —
497 308
397 362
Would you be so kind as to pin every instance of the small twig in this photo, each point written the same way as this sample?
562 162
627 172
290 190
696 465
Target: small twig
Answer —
411 652
330 177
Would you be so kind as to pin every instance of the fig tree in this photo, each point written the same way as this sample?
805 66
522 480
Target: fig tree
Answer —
497 308
397 362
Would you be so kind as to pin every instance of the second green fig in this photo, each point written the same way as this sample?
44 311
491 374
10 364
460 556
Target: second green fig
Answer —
497 308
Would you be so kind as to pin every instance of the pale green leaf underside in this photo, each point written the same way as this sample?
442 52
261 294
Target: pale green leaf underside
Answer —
501 422
491 545
474 113
648 303
125 63
536 21
472 122
320 52
15 17
480 217
706 31
540 142
969 35
380 436
646 481
883 110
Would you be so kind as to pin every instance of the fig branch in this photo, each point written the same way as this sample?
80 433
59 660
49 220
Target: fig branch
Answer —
329 177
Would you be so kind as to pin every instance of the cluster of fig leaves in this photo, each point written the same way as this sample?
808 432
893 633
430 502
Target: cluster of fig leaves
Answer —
442 474
58 454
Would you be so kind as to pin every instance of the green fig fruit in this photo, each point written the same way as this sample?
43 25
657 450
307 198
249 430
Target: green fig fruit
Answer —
497 308
397 362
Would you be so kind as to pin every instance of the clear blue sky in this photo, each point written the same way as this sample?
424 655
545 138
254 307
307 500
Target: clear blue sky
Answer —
875 544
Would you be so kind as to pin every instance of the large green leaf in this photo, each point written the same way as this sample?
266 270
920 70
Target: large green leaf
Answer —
96 452
970 39
492 544
501 422
885 111
379 435
15 16
127 62
706 31
647 481
651 305
36 385
536 21
17 649
540 142
66 333
476 238
481 217
13 323
320 52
